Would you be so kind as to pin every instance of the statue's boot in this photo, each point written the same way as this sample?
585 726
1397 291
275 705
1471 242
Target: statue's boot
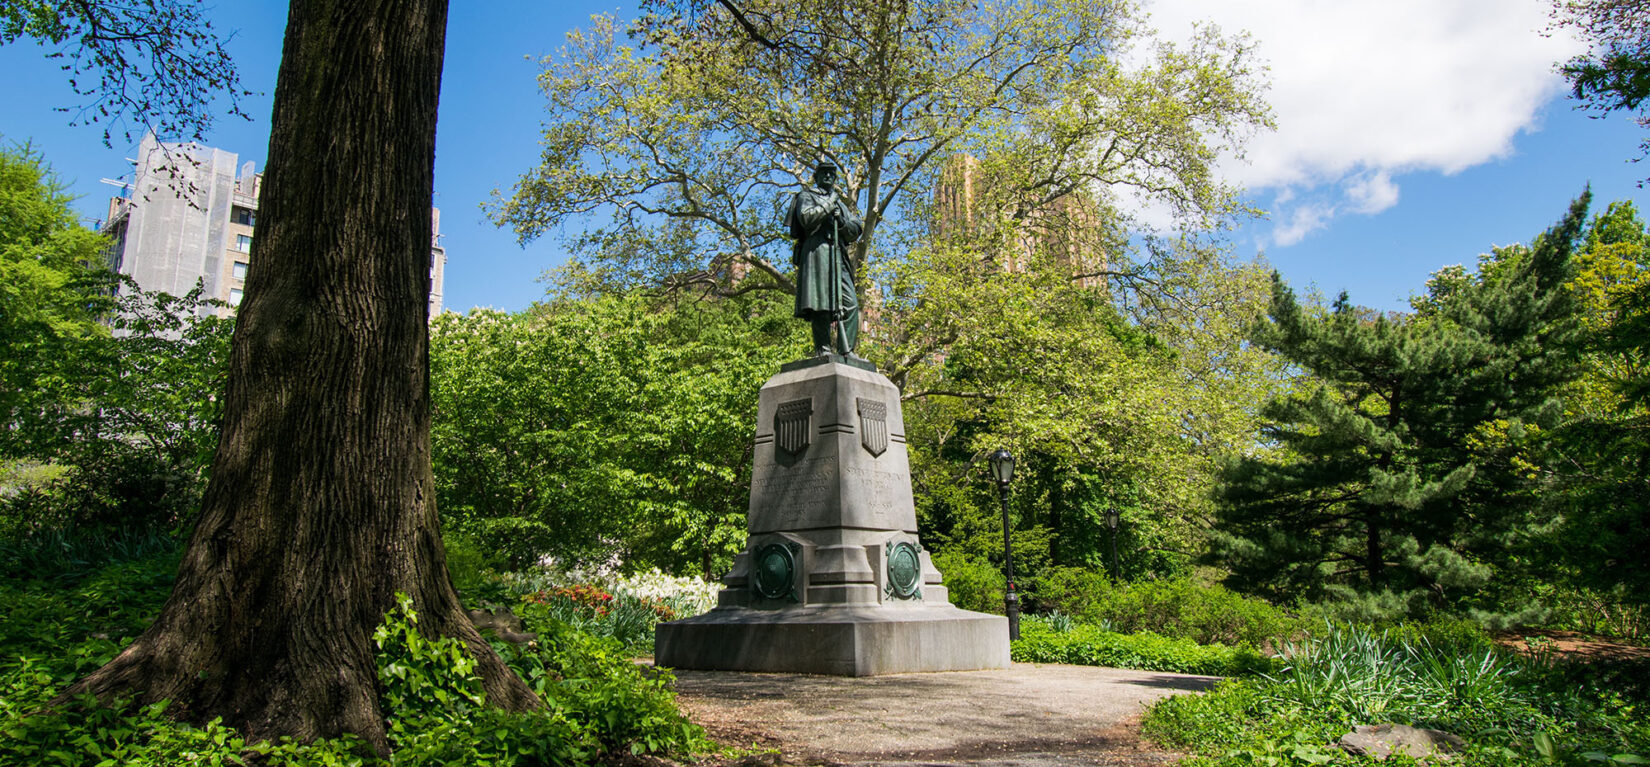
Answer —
822 337
847 335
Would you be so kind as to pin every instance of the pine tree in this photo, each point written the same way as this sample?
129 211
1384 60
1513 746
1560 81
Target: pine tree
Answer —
1598 464
1396 472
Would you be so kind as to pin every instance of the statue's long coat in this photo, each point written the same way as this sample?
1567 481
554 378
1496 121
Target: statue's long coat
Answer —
809 220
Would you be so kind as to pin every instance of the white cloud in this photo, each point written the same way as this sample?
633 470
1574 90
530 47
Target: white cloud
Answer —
1371 193
1363 92
1302 220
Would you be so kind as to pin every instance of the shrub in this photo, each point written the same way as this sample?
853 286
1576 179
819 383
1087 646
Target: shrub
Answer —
1068 590
1600 613
1441 633
593 682
1092 646
52 632
630 620
74 624
974 583
685 596
1183 609
1400 676
67 553
474 571
435 708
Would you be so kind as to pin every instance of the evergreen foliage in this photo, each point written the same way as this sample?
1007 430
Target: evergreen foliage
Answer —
1399 470
1599 461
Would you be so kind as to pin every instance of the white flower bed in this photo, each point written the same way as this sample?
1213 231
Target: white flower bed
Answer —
687 595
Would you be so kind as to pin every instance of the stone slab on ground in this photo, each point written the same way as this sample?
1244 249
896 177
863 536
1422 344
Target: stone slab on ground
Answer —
1383 740
1030 715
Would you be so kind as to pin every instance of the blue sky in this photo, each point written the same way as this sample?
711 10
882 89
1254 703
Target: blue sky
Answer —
1413 134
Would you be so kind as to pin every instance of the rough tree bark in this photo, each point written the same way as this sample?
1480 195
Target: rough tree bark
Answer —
320 505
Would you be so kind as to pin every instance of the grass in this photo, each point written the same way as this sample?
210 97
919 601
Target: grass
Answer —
1511 710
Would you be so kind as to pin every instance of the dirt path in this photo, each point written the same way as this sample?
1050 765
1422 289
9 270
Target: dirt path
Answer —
1031 715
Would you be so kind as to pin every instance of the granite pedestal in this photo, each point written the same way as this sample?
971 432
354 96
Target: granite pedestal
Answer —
833 579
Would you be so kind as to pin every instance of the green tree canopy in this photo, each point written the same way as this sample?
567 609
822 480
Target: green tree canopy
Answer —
689 139
997 150
52 292
589 427
1597 464
1399 470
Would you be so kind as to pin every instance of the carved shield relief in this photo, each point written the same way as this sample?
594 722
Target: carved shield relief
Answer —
792 425
873 425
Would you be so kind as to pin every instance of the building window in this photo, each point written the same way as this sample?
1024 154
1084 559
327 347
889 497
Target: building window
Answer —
244 216
235 296
243 243
239 270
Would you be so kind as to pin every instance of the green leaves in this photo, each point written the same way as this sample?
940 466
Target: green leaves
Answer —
671 157
586 425
1511 710
51 296
420 677
1089 645
1402 466
1615 73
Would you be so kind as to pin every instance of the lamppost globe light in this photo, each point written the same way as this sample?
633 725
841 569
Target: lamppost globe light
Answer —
1111 517
1002 466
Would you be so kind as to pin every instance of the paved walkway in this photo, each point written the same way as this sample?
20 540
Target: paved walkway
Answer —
1030 715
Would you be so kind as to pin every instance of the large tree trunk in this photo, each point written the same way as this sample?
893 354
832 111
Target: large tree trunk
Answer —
320 505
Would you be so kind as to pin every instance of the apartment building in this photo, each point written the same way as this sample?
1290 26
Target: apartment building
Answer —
190 215
1063 227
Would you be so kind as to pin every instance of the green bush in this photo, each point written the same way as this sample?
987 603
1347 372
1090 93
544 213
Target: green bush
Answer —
52 632
594 683
1093 646
474 569
974 584
1187 610
435 708
1068 590
1609 613
73 553
67 624
1442 633
628 619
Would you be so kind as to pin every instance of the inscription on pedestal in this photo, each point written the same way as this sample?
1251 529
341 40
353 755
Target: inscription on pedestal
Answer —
883 488
813 477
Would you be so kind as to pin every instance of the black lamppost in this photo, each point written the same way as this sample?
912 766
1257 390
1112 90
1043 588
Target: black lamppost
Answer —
1002 468
1111 522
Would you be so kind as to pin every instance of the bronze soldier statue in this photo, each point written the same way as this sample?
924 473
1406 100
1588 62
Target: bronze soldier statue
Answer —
823 225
